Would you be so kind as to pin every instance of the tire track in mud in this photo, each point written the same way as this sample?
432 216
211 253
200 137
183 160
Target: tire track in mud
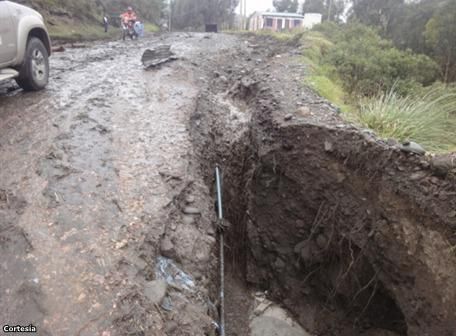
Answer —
21 301
65 222
105 166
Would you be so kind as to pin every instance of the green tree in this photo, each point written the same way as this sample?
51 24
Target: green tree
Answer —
313 6
367 63
287 6
440 34
379 13
150 10
193 14
332 10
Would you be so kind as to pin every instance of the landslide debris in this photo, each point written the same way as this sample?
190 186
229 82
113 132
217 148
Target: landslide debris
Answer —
353 236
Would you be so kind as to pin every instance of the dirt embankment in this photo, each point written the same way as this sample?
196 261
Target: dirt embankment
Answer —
350 234
73 21
107 223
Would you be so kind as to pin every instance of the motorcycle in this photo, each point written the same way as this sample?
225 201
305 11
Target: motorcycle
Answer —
130 29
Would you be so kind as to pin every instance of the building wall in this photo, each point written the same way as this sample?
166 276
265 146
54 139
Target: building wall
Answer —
311 19
258 22
278 23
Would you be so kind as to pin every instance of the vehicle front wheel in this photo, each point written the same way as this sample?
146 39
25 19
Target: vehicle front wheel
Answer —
34 72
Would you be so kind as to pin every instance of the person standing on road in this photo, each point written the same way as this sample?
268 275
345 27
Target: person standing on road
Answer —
128 16
105 23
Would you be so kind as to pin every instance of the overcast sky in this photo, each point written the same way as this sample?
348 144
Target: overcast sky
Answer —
258 5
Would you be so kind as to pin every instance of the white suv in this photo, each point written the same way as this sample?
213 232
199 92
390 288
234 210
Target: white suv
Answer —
25 46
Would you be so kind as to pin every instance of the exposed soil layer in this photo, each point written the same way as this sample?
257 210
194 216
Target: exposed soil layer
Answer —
350 234
107 222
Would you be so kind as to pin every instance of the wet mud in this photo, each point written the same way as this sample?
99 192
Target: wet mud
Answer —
107 222
351 235
96 173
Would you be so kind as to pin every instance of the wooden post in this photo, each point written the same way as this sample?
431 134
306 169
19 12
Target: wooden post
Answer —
330 9
245 14
170 15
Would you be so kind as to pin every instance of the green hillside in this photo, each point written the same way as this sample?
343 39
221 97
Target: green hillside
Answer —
72 20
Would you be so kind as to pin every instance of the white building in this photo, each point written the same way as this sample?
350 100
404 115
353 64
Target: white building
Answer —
282 21
312 19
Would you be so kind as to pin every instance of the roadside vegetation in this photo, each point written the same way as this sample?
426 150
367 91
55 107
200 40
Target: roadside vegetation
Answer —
81 32
425 116
81 20
396 93
389 65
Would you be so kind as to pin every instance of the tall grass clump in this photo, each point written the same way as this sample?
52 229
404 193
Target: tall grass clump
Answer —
321 76
428 118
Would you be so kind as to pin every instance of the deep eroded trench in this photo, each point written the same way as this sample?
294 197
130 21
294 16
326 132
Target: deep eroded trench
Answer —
351 236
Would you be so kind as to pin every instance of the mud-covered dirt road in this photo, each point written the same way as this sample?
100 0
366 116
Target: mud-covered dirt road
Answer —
89 168
107 221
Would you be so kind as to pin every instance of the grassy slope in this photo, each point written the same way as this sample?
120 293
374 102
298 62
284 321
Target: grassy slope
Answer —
75 20
63 32
428 117
320 77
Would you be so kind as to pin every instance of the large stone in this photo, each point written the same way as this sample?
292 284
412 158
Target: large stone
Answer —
271 326
190 199
413 147
188 220
157 56
155 290
443 164
379 332
167 248
191 211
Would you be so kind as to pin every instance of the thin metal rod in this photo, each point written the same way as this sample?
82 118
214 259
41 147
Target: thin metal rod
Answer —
218 181
222 286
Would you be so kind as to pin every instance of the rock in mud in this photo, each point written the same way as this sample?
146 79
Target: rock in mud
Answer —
159 55
167 304
391 142
270 326
60 48
188 220
191 211
155 290
443 164
306 251
322 241
304 111
329 147
413 147
167 248
288 117
190 199
379 332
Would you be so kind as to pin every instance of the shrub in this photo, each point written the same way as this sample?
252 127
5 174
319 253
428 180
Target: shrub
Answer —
427 117
367 64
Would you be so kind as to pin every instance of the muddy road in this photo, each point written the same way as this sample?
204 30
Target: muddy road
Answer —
89 168
107 220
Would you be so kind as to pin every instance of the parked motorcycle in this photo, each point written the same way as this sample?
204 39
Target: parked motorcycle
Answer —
133 29
129 29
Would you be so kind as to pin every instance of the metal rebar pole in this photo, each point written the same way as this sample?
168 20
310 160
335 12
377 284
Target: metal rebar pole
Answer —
222 286
219 193
218 181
